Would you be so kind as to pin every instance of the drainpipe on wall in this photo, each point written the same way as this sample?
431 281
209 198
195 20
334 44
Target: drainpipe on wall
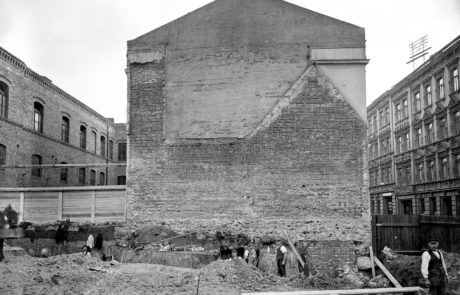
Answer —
107 155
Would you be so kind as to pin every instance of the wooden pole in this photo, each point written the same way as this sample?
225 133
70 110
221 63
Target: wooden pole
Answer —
371 253
387 273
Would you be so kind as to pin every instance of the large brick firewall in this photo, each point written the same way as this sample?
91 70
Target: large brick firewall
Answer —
304 173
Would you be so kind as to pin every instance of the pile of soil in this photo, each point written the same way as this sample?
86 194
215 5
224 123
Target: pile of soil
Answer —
406 269
77 274
236 274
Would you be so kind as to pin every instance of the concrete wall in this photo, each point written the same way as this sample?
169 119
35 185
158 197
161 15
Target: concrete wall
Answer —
16 130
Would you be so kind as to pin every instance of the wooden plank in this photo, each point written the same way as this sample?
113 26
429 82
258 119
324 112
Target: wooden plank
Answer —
387 273
372 261
403 290
294 250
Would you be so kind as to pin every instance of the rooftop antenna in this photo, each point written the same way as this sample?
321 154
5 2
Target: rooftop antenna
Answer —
418 49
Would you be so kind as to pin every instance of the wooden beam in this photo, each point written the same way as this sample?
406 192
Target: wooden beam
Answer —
371 253
294 250
387 273
403 290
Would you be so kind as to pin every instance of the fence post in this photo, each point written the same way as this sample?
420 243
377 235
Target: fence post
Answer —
93 207
21 206
60 206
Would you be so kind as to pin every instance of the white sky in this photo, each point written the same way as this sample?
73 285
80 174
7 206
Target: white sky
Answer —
81 44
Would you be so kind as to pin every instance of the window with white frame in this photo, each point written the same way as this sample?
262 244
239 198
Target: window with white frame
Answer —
454 79
431 171
456 122
440 86
417 102
398 112
428 95
442 128
429 133
405 109
418 137
420 173
444 168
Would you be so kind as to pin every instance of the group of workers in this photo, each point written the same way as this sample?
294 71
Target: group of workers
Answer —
252 253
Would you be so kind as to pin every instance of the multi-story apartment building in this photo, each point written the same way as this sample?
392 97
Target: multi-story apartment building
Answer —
41 125
414 140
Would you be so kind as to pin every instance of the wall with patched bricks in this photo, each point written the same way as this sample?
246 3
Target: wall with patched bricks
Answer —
246 137
17 130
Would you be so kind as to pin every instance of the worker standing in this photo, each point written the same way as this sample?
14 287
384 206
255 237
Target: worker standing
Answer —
281 259
434 269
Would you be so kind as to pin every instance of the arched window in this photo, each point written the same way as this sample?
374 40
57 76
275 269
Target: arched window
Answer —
64 173
36 171
82 137
92 177
101 178
3 100
65 129
38 117
103 146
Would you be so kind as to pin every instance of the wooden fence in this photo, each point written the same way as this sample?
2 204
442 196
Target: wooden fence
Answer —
409 233
95 204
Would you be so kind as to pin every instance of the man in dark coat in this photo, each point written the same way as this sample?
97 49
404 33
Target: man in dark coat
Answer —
434 269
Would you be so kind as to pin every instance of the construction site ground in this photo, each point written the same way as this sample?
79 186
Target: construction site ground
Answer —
78 274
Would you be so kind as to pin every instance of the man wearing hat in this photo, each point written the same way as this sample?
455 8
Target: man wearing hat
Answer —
434 269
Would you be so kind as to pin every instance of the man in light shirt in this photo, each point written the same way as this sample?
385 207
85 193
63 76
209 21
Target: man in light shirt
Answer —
434 269
281 259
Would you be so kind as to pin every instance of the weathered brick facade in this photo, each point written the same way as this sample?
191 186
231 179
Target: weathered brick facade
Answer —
23 88
228 134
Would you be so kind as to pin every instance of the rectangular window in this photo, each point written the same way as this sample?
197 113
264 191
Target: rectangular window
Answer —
456 123
82 176
82 137
428 95
122 151
65 129
418 137
444 169
92 177
101 178
398 112
375 124
103 146
417 102
38 117
433 206
429 133
407 207
110 149
455 81
442 128
36 171
420 173
405 109
446 206
64 173
398 144
121 180
94 138
3 100
431 172
2 154
457 167
440 84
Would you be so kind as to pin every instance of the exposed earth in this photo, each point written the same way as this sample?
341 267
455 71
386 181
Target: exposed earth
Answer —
78 274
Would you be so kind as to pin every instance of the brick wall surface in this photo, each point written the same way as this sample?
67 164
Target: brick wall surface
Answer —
196 87
305 170
16 131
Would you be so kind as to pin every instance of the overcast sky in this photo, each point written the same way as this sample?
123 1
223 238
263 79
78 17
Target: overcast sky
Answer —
81 44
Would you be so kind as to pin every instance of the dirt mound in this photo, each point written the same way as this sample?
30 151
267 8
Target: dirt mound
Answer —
237 273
